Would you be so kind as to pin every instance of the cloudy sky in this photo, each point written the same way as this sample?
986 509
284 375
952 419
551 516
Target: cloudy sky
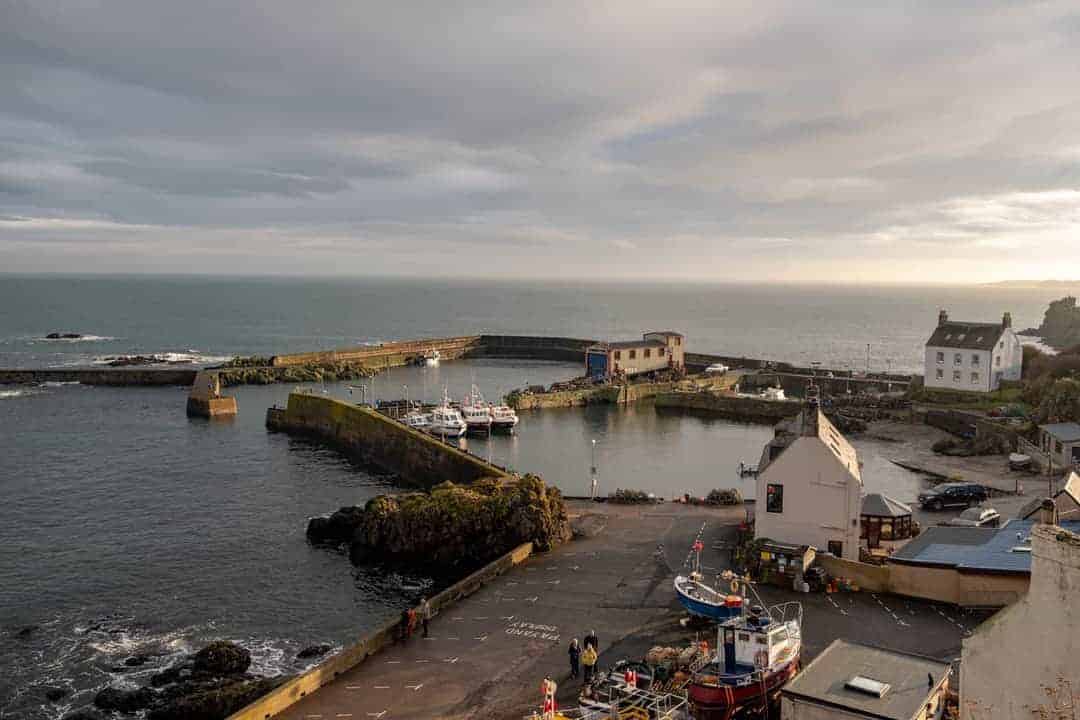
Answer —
915 141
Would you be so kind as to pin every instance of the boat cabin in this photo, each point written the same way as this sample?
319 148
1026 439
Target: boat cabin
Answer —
754 646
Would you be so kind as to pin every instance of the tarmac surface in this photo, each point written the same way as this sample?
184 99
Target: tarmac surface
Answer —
486 655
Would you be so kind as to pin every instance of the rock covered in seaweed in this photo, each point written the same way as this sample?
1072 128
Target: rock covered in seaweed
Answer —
451 525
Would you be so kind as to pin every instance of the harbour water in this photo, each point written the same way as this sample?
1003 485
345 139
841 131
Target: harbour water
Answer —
129 528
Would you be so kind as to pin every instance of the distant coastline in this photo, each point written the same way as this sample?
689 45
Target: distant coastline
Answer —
1065 285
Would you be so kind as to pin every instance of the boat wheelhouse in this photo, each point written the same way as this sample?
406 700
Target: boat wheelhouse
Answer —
503 418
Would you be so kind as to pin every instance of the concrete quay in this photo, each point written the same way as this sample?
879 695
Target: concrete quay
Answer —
487 653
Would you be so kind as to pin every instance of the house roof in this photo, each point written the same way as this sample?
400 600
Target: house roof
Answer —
878 505
665 332
811 422
824 680
632 344
973 549
1065 432
966 335
1067 500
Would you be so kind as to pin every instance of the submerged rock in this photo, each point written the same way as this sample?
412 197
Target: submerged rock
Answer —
86 713
222 658
125 701
52 694
314 651
452 525
136 660
215 703
62 336
26 632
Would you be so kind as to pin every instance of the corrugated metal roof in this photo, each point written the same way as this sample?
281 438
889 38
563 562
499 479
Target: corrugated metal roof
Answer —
973 549
1065 432
966 336
823 680
632 344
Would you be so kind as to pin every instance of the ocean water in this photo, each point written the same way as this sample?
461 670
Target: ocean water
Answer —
209 318
128 528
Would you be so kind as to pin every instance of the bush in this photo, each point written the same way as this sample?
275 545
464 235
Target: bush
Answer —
630 497
729 496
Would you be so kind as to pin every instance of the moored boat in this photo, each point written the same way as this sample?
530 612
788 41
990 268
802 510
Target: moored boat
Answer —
446 421
503 418
475 413
417 420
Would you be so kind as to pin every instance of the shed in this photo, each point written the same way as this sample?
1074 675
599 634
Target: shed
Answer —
1061 442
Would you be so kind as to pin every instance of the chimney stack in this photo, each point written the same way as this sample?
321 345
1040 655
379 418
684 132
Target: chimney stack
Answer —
942 318
1006 320
1048 512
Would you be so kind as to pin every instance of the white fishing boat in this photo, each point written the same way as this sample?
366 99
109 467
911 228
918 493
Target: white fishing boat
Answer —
446 421
503 418
432 358
417 420
773 393
475 413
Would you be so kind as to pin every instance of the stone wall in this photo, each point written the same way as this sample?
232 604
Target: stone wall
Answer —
325 672
734 407
533 347
384 355
604 394
416 457
101 376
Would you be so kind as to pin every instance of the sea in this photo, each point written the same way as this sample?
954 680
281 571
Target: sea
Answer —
127 528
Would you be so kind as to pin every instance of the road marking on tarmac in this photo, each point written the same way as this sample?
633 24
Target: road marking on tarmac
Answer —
414 688
450 660
377 715
481 638
343 715
354 687
382 687
393 662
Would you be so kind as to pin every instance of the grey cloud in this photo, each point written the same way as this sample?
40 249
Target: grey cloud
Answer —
595 136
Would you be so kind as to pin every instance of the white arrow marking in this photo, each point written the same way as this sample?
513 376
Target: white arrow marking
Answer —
481 638
415 688
377 715
575 568
533 599
554 582
507 617
450 660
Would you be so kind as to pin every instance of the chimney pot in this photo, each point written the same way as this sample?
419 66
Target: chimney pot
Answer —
1006 320
942 318
1048 512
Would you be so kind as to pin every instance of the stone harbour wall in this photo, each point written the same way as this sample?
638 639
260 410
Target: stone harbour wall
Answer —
384 355
733 407
416 457
282 698
101 376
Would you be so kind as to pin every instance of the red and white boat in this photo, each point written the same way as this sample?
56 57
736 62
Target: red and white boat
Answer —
757 653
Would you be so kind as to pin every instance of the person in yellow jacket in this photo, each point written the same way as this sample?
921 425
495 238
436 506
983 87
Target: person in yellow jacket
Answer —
588 661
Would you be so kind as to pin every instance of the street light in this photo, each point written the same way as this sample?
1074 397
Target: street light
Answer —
593 473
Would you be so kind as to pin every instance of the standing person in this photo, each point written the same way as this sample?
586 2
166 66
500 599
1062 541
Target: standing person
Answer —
425 614
591 639
575 658
588 659
548 688
412 621
403 629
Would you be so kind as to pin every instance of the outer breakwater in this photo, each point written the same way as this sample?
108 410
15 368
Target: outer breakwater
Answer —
101 376
374 438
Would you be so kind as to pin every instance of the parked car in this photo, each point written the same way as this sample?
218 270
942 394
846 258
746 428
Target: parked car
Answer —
717 369
949 495
977 517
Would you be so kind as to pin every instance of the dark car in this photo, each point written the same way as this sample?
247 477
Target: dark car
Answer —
949 495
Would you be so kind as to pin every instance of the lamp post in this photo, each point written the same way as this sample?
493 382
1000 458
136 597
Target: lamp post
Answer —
405 388
594 483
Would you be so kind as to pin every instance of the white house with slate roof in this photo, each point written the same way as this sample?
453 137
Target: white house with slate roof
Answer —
809 487
974 357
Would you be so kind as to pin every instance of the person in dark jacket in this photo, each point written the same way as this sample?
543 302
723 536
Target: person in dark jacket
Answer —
592 640
575 658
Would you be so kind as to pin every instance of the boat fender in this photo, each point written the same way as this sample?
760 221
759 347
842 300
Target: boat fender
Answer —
734 586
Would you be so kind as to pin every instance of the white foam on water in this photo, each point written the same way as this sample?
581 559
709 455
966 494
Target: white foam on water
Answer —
83 339
193 358
12 393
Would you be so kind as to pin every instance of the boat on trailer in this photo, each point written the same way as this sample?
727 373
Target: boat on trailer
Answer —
757 653
699 599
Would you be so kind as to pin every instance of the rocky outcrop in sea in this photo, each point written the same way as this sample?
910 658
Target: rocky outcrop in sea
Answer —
450 526
209 685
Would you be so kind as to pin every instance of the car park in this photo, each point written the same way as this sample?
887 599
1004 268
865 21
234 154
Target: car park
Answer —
952 495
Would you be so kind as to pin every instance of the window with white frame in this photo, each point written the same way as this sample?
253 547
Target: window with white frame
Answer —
975 359
940 374
958 359
941 358
956 376
974 378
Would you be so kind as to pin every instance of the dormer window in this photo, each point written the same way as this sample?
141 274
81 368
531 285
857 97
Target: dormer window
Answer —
962 336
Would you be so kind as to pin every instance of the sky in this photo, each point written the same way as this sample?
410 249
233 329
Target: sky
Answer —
931 141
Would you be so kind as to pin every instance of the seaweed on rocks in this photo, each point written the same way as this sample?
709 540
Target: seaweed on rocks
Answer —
450 526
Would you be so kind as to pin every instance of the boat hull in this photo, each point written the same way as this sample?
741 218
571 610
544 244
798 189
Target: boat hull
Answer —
730 701
694 606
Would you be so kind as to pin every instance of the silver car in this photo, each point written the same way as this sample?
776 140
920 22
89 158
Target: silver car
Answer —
977 517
